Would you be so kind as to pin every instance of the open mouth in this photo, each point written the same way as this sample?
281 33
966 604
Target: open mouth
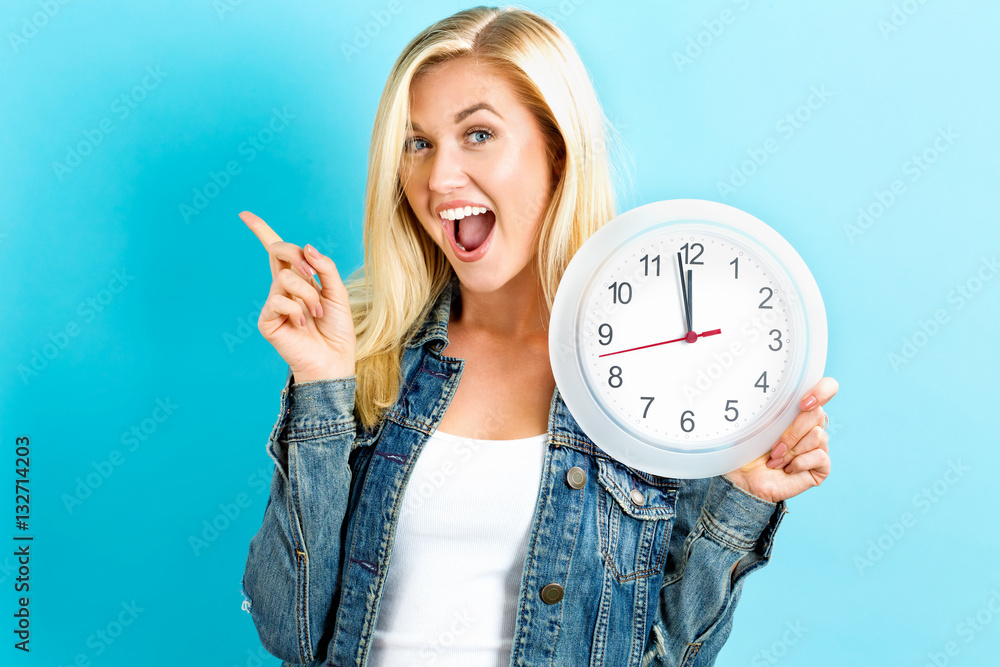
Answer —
468 227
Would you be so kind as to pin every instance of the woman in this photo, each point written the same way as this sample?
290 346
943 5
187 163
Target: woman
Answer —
487 172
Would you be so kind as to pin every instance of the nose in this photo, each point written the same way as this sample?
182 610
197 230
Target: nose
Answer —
447 170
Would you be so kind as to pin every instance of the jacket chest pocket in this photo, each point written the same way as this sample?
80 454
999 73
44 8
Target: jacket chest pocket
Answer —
635 516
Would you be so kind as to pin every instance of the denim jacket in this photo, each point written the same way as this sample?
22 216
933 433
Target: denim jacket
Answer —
623 567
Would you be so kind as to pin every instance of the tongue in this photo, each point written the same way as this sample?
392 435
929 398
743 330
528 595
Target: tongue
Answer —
473 229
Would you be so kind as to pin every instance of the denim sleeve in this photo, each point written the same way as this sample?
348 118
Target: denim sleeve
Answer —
292 572
721 534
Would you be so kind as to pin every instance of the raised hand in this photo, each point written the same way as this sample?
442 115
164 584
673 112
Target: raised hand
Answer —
309 324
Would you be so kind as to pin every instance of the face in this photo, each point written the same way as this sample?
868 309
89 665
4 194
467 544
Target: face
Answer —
472 146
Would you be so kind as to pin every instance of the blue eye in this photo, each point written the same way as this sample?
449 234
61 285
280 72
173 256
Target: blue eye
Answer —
483 131
408 144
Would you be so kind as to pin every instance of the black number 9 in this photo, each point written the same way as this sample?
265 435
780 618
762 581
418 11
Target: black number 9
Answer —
600 331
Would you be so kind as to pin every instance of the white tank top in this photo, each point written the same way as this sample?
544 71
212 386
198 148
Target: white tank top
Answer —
455 572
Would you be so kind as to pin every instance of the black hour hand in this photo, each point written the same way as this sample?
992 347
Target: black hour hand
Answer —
685 291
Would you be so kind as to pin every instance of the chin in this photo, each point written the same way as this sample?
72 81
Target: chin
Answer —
480 277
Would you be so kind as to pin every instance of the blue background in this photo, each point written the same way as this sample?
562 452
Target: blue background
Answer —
116 303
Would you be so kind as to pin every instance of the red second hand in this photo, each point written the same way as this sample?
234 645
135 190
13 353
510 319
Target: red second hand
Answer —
642 347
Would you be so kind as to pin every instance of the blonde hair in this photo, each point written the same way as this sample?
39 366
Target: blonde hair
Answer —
404 271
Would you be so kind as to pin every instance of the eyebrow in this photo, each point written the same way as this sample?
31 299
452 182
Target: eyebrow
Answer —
464 113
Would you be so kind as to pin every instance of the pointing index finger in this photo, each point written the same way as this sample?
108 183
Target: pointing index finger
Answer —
260 228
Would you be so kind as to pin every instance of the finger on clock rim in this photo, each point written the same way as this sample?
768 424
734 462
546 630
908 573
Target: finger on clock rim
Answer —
822 392
801 425
816 460
816 438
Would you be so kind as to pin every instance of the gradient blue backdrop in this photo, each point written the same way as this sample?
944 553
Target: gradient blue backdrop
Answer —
131 358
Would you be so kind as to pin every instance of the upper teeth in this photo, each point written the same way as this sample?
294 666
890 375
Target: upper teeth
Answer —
459 213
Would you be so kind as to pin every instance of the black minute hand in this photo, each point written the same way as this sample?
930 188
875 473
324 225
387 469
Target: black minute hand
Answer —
690 304
685 292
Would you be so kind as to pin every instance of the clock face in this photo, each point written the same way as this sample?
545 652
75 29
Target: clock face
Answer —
683 335
687 390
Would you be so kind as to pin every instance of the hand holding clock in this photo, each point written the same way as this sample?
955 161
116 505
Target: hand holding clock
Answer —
801 457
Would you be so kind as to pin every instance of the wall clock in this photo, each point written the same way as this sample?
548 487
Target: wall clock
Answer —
683 335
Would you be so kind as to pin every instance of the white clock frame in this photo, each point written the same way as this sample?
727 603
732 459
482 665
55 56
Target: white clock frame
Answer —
672 458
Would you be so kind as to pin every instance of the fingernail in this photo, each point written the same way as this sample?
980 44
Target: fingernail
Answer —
809 402
774 463
309 271
312 251
319 309
302 320
779 451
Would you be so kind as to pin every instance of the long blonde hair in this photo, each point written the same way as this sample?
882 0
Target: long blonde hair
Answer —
404 271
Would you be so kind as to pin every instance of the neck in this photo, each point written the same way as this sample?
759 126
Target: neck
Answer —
516 310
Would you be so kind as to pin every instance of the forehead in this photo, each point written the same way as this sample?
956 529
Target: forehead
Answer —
452 90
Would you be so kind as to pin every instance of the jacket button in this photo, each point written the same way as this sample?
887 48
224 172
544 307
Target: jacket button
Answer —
576 478
552 594
638 498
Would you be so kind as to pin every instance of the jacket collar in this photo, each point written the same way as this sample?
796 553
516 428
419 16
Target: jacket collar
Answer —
435 325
